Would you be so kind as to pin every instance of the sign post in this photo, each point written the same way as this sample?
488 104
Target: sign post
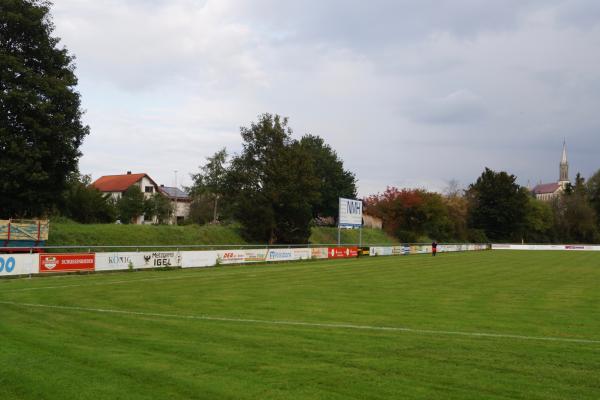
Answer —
350 216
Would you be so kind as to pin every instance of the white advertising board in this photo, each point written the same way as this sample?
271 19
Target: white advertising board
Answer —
231 256
19 264
280 255
118 261
319 253
158 259
350 214
195 259
123 260
255 255
302 254
546 247
380 251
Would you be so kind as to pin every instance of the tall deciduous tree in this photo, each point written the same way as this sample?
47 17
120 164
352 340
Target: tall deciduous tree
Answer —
593 189
86 204
131 205
158 205
209 184
334 181
498 205
40 114
575 219
271 185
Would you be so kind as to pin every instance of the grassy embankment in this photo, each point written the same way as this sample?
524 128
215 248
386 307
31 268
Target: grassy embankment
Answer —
73 234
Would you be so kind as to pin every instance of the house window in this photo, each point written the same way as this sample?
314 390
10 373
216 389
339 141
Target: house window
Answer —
149 189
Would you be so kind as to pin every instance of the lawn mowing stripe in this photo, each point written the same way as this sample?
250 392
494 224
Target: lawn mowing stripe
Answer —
248 269
306 324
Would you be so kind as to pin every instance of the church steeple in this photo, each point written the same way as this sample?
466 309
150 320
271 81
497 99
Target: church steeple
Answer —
564 166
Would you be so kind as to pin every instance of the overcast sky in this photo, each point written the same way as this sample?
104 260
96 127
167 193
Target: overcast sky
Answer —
409 93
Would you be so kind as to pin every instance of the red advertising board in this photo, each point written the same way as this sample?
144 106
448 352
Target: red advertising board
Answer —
67 262
342 252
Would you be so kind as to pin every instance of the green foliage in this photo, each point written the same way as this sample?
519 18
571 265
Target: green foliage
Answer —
539 221
328 235
333 180
575 218
40 116
86 204
208 187
131 205
202 208
159 206
457 207
593 190
271 185
498 206
412 215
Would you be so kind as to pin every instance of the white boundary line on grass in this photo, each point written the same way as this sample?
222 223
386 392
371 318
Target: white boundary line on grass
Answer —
306 324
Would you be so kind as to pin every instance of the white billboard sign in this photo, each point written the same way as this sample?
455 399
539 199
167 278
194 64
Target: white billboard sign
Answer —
194 259
350 214
18 264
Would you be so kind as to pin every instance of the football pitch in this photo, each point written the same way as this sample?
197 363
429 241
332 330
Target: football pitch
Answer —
485 325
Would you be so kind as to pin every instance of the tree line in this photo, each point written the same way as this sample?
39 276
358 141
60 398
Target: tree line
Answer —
493 208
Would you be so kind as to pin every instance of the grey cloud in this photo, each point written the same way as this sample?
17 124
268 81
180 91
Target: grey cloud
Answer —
459 107
401 89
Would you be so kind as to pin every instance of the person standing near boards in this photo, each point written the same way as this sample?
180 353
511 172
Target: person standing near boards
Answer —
433 248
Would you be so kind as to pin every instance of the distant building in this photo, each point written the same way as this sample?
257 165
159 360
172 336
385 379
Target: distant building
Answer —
549 191
180 202
116 185
370 221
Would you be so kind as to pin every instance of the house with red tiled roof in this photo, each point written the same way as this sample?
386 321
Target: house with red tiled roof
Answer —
549 191
116 185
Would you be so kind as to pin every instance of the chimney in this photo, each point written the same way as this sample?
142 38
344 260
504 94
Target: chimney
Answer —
128 172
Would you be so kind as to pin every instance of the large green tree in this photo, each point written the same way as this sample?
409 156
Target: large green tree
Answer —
498 206
334 181
575 219
131 205
86 204
593 189
40 114
158 205
271 185
209 186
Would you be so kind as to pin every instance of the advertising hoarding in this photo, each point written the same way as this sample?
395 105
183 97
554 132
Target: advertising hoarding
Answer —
255 255
18 264
350 213
301 254
380 251
158 259
195 259
231 256
552 247
71 262
118 261
319 253
343 252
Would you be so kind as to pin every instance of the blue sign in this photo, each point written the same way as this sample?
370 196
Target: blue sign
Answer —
7 264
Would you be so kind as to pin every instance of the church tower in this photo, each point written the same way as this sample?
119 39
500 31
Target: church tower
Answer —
564 167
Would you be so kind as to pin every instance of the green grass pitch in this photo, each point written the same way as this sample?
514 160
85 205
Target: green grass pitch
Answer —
487 325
